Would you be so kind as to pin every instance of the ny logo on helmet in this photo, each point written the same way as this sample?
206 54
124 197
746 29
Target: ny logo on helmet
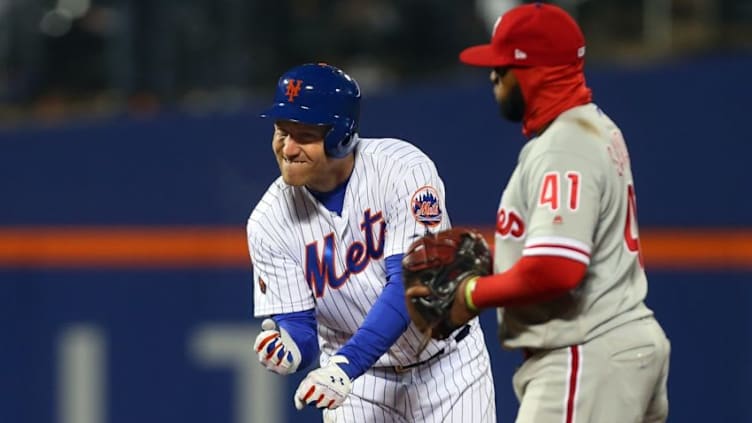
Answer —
293 89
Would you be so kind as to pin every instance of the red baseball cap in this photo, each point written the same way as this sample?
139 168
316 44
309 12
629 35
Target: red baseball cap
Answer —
530 35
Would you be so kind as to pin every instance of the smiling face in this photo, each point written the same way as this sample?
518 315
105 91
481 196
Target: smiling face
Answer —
301 157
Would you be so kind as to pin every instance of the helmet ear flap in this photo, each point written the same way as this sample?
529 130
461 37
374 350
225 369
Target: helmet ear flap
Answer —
342 138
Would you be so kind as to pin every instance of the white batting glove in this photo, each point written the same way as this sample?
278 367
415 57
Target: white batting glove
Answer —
325 387
276 349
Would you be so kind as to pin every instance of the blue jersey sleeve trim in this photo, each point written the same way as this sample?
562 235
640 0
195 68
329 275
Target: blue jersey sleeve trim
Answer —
384 324
301 325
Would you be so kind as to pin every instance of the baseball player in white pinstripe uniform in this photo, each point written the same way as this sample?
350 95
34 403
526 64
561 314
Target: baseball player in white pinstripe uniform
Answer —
326 242
569 279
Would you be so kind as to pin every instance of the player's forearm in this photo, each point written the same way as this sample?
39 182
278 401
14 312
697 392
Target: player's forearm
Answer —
530 280
384 324
371 341
301 326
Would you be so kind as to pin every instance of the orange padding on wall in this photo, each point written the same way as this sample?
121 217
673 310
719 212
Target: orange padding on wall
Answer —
697 248
128 247
225 247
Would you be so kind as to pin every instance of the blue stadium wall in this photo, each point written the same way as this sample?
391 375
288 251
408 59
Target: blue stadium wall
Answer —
129 343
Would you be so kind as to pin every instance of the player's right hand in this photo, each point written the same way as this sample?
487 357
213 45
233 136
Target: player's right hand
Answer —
276 349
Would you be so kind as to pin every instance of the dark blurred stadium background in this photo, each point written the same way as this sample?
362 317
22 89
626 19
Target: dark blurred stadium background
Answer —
131 155
61 58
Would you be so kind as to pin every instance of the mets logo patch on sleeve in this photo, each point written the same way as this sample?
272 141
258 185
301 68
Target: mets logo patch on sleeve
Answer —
425 206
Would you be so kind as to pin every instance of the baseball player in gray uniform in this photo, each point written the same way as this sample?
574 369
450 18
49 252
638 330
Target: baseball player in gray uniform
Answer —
327 240
568 275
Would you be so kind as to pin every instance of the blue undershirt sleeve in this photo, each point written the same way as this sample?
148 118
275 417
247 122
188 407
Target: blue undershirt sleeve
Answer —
384 324
301 326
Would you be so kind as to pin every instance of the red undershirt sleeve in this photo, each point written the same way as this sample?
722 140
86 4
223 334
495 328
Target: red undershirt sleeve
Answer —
531 280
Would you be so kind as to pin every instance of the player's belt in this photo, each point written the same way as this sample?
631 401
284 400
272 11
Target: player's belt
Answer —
457 338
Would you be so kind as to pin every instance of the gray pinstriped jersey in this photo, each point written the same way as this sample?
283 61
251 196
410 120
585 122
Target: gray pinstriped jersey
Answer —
572 195
305 256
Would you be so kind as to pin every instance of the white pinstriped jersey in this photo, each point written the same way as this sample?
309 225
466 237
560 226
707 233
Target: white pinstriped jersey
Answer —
305 256
572 195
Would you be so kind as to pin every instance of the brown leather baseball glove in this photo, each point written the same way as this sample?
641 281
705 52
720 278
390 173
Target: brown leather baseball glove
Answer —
439 263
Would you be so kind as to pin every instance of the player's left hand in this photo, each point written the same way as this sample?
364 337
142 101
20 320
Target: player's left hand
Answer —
436 269
459 312
325 387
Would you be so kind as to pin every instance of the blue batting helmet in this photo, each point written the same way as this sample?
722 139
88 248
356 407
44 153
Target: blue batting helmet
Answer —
320 94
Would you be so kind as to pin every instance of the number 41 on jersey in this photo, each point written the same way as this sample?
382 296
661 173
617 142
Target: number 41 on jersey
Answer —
551 190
